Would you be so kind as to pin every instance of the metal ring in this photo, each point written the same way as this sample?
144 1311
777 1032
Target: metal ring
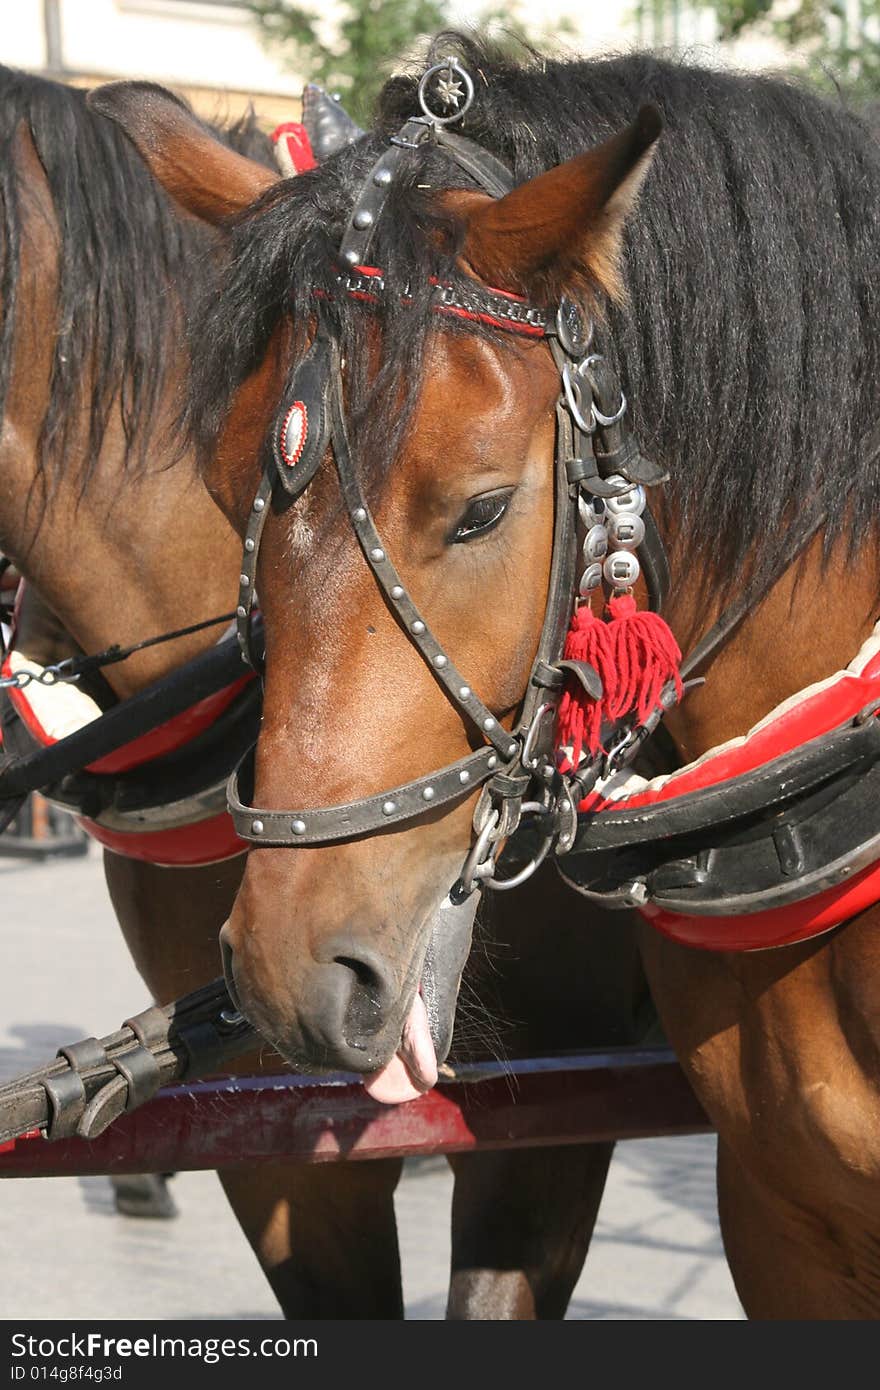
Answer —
470 869
531 737
502 885
603 420
606 420
572 400
455 69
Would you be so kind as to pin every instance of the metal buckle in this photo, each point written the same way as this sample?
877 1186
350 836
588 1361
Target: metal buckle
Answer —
606 420
479 863
478 870
413 144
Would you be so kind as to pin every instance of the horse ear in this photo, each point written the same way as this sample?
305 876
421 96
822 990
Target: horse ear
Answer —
548 232
203 175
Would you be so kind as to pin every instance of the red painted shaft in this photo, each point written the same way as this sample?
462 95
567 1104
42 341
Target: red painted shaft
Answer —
214 1124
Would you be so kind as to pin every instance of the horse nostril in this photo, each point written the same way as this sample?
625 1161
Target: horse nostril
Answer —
371 993
366 974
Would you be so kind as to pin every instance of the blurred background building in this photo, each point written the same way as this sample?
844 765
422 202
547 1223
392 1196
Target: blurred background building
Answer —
223 53
210 50
219 54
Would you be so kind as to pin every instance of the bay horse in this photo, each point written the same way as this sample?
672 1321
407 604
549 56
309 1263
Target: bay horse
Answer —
729 269
104 513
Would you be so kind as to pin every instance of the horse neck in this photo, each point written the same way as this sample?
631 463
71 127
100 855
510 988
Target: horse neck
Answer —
811 624
132 554
131 559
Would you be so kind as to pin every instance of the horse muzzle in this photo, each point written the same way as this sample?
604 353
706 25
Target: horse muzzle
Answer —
350 1013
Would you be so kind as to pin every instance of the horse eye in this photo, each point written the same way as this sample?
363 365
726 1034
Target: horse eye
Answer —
483 514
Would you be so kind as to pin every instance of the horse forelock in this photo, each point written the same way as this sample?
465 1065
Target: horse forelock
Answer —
749 341
129 270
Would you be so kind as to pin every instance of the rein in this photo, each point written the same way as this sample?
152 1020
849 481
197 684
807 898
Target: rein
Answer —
72 668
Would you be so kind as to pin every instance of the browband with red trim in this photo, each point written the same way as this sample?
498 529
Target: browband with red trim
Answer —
477 303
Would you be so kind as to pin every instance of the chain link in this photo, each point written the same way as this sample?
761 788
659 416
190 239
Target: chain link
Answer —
49 675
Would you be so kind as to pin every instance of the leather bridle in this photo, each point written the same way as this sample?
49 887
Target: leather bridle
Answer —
595 455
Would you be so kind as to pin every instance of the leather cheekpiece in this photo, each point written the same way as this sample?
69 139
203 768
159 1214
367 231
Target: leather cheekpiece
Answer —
301 431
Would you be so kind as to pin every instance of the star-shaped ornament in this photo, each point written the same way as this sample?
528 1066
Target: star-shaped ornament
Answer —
450 90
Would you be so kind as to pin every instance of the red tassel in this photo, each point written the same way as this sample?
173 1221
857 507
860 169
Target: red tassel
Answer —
580 718
634 653
644 655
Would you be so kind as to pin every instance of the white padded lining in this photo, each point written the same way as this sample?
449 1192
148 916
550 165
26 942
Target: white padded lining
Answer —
61 709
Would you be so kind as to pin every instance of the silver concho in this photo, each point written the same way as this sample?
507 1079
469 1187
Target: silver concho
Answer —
573 333
591 510
596 544
629 503
621 569
590 580
626 531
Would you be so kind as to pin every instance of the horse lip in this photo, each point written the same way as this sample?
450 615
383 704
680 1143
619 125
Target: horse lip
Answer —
226 956
448 947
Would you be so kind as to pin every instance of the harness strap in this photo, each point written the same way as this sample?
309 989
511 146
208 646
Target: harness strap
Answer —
330 824
125 722
457 690
365 214
483 167
853 744
75 666
721 631
250 653
93 1082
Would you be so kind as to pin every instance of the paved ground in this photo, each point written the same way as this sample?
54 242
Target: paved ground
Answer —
656 1253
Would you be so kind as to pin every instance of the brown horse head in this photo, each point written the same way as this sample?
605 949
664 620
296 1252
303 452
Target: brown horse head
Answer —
349 955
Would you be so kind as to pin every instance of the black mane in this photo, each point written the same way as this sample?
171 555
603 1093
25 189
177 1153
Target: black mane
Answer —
128 264
750 344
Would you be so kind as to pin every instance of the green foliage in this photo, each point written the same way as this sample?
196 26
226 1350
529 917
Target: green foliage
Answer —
736 15
839 38
356 56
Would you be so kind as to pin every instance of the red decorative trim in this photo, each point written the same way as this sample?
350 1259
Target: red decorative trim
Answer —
167 738
185 847
298 408
174 733
297 143
434 280
526 330
22 707
204 842
779 926
811 717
